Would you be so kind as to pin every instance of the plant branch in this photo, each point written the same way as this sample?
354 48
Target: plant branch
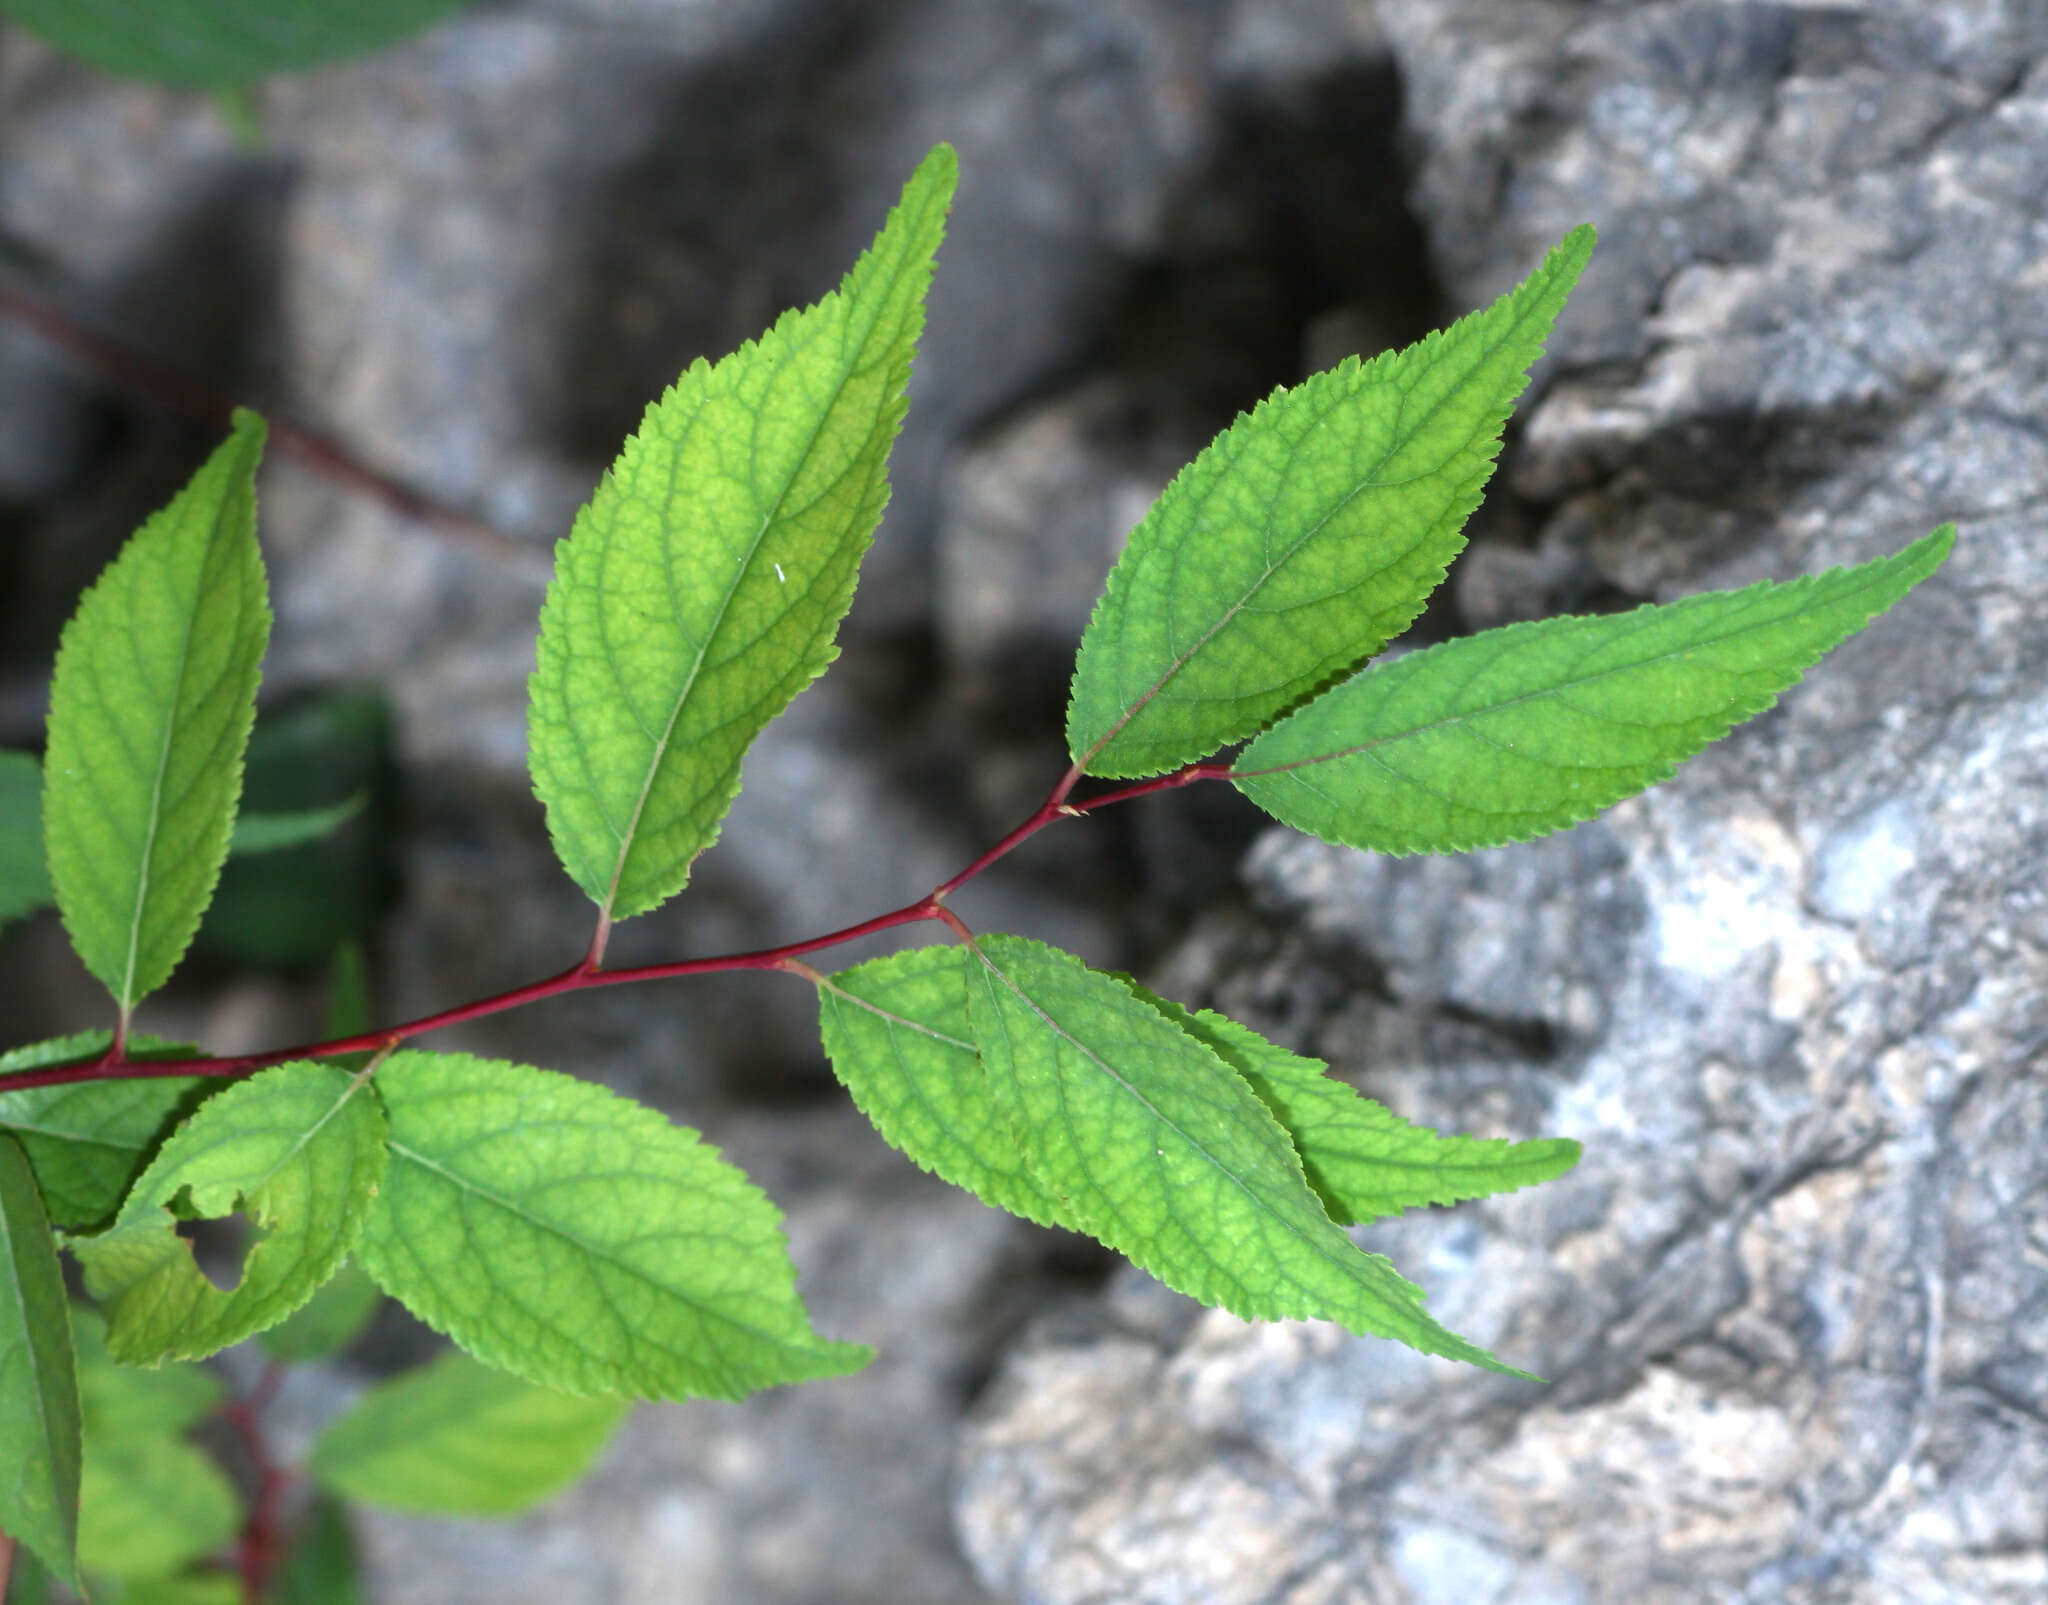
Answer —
177 391
262 1542
6 1563
586 975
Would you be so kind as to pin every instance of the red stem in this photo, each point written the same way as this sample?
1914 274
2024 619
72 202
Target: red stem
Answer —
178 391
586 974
262 1543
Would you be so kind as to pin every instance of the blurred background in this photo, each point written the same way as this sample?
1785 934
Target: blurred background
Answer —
1792 1303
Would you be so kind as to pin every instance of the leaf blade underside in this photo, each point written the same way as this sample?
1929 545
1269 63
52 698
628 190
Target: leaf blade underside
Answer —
151 706
1304 538
897 1034
1530 728
573 1237
299 1149
702 586
1160 1150
1364 1161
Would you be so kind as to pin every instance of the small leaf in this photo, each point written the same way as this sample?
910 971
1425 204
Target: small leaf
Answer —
1524 730
39 1412
1304 538
150 709
328 1322
1158 1148
199 1587
701 588
126 1401
577 1239
459 1438
151 1506
270 833
300 1150
219 44
898 1035
323 1567
89 1141
1364 1161
348 1012
31 1583
24 878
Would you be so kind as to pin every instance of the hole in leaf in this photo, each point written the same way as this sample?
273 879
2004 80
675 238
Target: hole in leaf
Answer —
220 1247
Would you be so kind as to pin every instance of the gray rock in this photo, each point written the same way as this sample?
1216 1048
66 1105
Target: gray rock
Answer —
1791 1300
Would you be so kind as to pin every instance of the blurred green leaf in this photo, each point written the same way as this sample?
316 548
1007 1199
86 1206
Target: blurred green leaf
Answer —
24 877
328 1322
39 1411
458 1437
216 44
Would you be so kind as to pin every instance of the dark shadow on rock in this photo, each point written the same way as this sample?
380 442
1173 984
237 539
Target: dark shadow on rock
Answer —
201 297
700 236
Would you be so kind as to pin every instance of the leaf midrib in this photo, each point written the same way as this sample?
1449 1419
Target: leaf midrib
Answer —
1366 482
1451 720
849 364
171 722
1170 1124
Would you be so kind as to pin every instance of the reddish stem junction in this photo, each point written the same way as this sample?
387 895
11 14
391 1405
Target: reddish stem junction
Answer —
588 972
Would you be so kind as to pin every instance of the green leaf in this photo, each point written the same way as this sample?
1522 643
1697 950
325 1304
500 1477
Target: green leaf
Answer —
216 44
126 1401
24 878
200 1587
39 1411
348 1012
897 1032
1304 538
151 1506
271 833
31 1583
1524 730
1160 1149
300 1150
328 1322
150 709
577 1239
1364 1161
89 1141
460 1438
323 1568
702 585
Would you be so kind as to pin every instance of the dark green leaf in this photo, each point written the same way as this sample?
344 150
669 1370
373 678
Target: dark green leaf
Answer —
217 44
89 1141
39 1412
256 834
322 1568
24 877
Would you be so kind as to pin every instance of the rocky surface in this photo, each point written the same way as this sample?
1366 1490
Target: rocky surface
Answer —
1791 1301
471 261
